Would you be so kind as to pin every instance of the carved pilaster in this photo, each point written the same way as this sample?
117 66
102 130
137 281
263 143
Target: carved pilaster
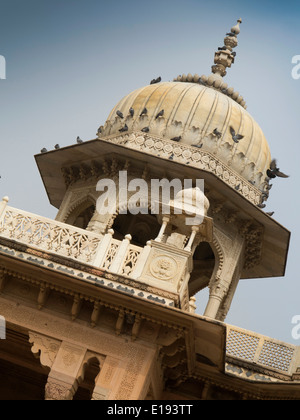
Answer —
58 390
66 369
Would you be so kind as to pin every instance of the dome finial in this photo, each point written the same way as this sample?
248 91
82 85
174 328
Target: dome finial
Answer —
224 57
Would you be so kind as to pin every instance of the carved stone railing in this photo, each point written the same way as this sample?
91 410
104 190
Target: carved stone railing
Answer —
45 234
260 352
157 271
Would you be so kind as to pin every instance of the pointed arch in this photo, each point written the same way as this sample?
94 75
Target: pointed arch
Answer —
81 212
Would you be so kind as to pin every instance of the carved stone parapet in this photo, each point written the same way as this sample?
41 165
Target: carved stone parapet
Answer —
3 205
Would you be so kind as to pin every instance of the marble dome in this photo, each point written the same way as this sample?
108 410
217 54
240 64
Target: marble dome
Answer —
203 114
199 116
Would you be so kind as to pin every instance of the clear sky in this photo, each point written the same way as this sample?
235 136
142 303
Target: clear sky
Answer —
70 61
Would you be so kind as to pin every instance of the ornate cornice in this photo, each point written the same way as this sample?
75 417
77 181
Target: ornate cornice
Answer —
191 156
85 274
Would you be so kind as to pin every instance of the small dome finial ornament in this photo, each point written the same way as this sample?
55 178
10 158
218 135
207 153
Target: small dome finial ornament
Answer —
224 57
236 29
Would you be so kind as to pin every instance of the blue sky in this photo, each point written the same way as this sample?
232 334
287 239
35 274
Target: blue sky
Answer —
70 61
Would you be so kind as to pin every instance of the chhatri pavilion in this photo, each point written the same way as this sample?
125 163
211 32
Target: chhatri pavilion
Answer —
101 305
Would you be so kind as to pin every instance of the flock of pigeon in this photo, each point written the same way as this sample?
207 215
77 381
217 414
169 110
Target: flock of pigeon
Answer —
57 146
271 173
144 112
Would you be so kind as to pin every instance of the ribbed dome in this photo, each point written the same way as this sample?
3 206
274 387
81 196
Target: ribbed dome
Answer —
192 112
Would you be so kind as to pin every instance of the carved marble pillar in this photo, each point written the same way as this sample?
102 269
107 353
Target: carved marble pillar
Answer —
226 302
230 258
165 221
65 362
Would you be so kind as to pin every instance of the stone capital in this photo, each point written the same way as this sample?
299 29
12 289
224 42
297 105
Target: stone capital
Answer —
58 390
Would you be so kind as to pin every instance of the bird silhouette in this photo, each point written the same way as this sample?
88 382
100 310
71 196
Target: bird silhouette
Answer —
273 172
176 138
235 137
144 112
145 130
217 133
123 129
57 146
160 114
131 111
261 206
119 114
197 145
157 80
44 150
270 213
79 141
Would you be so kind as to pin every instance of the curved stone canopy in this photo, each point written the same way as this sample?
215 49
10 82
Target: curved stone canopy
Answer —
199 116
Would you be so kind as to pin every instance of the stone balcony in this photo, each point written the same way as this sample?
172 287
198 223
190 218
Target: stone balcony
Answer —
124 260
